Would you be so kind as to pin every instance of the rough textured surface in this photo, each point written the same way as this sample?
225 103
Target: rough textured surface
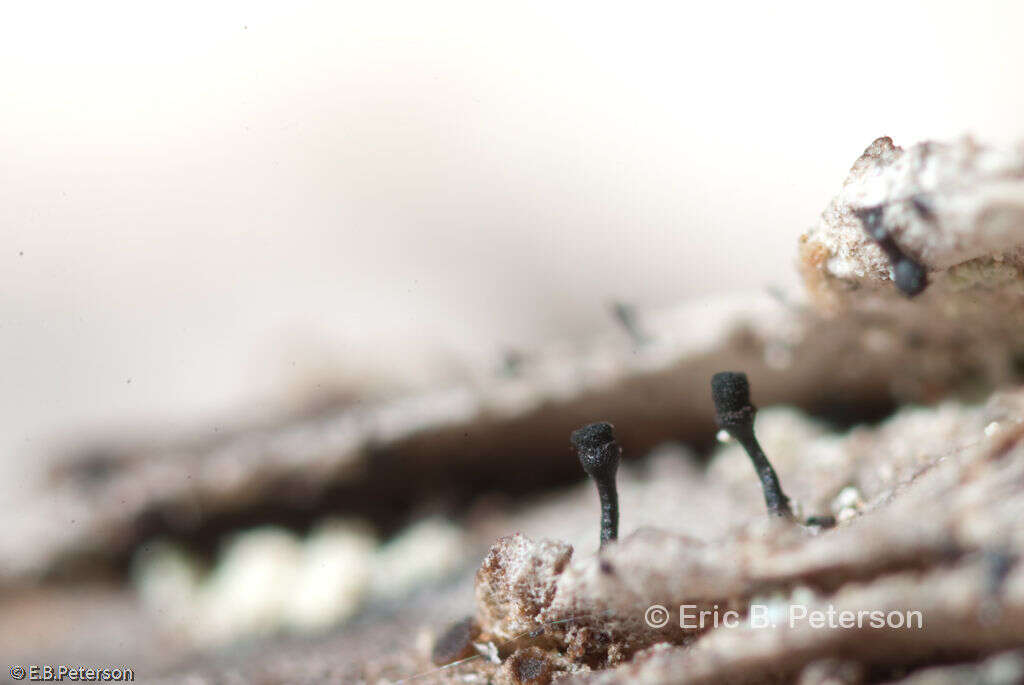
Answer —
516 581
933 526
928 525
943 203
958 208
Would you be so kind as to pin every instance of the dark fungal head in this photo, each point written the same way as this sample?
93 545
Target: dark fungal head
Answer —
730 391
599 455
909 276
592 436
598 451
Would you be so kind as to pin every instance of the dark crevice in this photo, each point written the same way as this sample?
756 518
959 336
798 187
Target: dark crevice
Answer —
841 415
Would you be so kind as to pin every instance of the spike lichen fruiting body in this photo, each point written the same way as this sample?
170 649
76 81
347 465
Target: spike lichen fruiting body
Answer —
599 455
735 413
908 275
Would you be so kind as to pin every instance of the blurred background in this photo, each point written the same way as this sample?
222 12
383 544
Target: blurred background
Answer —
210 208
204 206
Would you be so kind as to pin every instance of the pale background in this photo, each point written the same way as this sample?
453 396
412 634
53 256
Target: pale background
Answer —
205 206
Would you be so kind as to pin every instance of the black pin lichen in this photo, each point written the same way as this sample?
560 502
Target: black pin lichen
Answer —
599 455
908 275
735 414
